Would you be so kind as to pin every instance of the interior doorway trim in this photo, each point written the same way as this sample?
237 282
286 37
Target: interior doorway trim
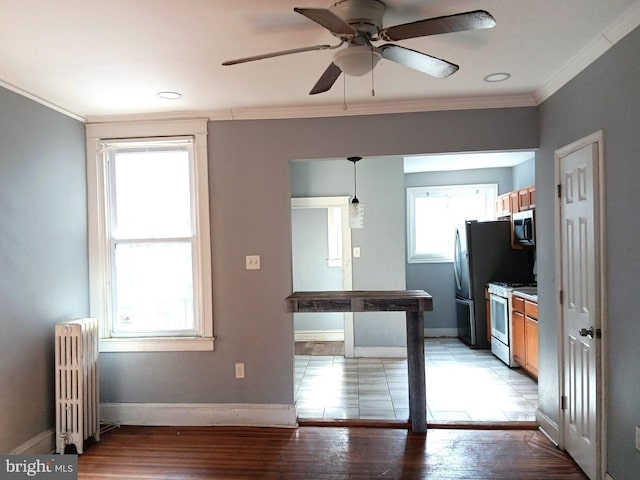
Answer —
599 287
347 264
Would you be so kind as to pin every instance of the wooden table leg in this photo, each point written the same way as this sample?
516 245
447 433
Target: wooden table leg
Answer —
415 364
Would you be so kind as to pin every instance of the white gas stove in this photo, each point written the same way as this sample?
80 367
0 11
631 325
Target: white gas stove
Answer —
500 294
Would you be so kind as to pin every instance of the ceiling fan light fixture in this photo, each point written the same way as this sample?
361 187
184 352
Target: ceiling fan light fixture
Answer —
357 60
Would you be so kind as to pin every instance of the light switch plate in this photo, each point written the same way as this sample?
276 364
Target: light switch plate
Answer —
253 262
356 252
239 370
637 438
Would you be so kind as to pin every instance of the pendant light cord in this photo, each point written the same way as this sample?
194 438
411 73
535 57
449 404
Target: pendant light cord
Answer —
355 183
355 178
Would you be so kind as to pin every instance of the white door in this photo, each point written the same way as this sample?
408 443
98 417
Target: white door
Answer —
579 175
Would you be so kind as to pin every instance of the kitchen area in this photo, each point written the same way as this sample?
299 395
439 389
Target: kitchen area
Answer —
496 289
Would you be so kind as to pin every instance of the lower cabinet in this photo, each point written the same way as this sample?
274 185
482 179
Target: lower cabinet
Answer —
517 327
524 327
531 346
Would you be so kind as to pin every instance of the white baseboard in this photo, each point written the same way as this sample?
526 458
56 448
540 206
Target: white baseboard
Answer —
319 336
41 444
199 414
440 332
381 352
548 427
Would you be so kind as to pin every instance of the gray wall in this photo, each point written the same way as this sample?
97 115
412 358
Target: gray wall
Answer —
250 213
310 271
437 278
524 174
43 256
604 96
381 264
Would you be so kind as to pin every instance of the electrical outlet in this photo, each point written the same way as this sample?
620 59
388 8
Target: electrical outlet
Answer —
637 438
253 262
239 370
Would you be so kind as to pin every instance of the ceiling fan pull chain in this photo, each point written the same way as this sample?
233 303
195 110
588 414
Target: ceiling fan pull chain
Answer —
373 64
344 92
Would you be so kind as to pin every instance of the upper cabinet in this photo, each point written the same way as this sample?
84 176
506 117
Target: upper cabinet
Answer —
526 198
503 205
516 201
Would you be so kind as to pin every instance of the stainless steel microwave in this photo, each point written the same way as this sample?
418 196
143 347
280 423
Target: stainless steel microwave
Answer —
524 227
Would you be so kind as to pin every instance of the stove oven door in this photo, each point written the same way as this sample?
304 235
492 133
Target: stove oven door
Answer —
500 318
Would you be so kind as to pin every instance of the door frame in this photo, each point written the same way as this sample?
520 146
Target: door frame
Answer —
600 286
347 263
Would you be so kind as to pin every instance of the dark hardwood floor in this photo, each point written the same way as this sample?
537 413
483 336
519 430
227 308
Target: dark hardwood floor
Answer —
310 453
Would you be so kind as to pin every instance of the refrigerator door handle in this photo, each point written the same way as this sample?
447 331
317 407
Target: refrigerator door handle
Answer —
456 260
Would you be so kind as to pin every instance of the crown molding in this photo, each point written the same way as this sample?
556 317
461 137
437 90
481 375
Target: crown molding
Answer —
41 101
617 30
317 111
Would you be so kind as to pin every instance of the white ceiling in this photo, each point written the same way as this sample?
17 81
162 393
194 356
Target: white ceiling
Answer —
96 59
464 161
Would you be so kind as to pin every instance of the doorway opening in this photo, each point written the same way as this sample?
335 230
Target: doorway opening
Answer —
372 384
321 260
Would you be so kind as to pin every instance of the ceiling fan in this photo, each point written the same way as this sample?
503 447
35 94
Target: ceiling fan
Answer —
358 23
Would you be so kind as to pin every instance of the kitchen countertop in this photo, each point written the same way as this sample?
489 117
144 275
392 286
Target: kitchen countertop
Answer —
530 293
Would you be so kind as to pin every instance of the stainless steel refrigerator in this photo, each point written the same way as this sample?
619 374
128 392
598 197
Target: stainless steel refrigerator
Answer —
483 254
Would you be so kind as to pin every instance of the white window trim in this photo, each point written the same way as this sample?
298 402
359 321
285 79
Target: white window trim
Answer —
98 241
412 194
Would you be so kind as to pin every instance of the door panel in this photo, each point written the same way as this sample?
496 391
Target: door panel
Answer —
580 306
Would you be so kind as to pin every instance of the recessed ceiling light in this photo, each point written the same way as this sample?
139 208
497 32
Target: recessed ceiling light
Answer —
497 77
169 95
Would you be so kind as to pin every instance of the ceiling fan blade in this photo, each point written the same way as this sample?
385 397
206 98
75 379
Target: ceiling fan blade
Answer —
327 79
475 20
328 20
276 54
418 61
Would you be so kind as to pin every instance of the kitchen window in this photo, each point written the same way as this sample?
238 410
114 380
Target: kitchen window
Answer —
433 213
150 261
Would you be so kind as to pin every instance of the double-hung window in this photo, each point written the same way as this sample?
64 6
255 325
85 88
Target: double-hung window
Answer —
150 263
433 213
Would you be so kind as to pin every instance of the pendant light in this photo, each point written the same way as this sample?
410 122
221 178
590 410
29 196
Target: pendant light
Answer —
356 209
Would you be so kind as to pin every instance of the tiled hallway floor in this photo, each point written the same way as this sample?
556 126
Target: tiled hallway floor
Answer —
462 385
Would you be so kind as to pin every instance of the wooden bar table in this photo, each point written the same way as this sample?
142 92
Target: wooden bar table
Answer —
413 302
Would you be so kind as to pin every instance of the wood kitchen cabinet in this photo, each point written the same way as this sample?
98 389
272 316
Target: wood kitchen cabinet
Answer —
516 201
531 336
503 205
526 198
532 197
517 330
524 328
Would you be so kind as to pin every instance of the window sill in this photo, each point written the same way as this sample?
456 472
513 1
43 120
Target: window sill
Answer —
158 344
431 259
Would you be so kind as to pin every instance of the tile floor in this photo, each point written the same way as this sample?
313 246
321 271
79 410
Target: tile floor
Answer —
462 385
